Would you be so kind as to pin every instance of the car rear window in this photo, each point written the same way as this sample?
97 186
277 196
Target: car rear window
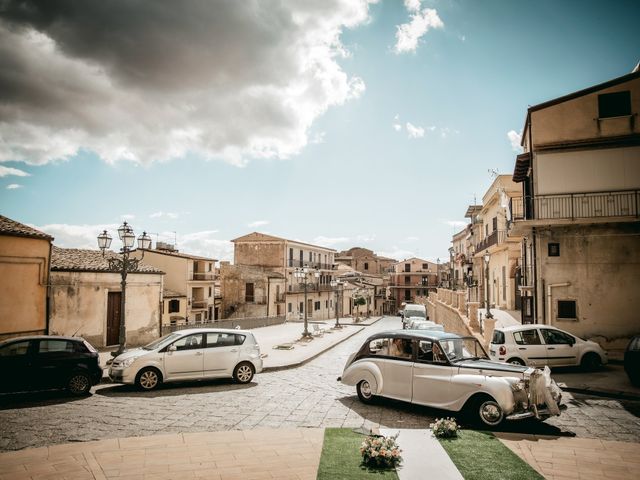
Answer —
50 346
498 337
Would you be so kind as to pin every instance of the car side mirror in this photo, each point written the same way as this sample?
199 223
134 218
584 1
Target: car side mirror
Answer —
172 348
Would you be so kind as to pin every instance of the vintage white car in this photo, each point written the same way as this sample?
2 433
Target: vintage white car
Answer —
450 372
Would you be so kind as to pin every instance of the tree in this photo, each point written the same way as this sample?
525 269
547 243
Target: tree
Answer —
357 302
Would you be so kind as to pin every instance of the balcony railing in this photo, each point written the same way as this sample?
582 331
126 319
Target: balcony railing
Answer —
313 287
202 276
198 304
319 265
495 238
280 297
573 206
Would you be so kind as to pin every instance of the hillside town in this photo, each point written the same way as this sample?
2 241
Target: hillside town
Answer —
191 340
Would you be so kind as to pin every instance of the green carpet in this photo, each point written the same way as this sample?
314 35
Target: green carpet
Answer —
481 456
341 459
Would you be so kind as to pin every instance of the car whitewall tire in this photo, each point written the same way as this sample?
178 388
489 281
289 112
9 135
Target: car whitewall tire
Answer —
365 392
489 412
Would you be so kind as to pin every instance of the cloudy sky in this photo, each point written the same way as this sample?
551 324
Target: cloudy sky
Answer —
340 122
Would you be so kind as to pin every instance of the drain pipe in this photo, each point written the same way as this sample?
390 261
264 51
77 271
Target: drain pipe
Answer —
549 287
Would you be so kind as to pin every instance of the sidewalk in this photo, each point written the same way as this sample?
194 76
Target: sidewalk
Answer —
610 380
290 334
287 454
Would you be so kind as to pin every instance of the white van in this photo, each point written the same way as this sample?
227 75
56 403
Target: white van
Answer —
413 311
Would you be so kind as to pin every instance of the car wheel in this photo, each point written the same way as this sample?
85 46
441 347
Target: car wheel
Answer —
365 392
591 361
79 383
515 361
487 412
148 378
243 373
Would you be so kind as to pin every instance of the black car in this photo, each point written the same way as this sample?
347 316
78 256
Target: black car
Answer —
632 360
45 362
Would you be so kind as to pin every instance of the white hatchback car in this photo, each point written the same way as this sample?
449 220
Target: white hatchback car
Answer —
543 345
193 354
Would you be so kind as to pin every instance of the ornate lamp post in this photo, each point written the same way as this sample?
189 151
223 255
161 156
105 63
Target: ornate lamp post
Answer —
303 275
338 288
123 265
486 263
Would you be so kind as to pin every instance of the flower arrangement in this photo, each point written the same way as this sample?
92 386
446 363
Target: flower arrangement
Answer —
445 428
381 452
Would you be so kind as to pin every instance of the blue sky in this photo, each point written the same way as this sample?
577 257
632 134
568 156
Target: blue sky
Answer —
336 172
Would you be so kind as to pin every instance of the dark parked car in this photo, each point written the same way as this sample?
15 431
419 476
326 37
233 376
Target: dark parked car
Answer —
45 362
632 360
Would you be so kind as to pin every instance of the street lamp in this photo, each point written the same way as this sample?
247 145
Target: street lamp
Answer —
486 263
303 275
123 265
339 288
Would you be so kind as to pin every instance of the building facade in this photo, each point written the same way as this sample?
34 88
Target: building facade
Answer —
366 261
24 275
284 256
190 276
412 280
85 299
579 214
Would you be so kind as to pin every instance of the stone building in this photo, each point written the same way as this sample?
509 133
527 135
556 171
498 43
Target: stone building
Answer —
24 275
85 298
412 280
284 257
192 277
251 292
364 260
579 215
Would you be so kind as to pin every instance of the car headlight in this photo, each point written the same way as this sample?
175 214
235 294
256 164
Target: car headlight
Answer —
127 362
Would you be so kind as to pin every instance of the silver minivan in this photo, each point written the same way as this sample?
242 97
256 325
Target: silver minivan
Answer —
193 354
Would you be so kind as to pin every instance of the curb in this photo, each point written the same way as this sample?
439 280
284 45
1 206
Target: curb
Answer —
361 323
306 360
603 393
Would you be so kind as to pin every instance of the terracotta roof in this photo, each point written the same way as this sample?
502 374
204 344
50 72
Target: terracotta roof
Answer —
80 260
166 293
263 237
178 254
11 227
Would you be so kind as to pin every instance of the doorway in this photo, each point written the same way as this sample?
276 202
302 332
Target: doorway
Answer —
113 317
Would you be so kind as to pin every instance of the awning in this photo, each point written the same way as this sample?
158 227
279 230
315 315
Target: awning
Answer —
523 162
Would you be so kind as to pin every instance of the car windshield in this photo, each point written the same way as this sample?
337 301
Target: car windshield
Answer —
161 342
414 313
466 348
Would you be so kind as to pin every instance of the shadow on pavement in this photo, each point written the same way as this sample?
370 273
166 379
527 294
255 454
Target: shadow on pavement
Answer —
41 398
386 412
173 388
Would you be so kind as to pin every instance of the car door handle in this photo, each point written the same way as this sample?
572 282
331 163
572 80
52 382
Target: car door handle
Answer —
233 350
522 348
551 348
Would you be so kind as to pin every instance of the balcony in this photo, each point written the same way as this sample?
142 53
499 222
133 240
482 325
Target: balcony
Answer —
203 277
573 206
496 237
313 287
319 265
280 297
198 304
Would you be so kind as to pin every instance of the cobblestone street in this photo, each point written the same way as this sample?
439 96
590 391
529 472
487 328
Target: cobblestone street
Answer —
308 396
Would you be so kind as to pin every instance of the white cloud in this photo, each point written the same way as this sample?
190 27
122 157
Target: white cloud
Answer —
127 216
206 244
318 138
162 214
258 223
412 239
412 5
515 138
6 171
13 186
414 131
408 35
79 236
397 127
79 71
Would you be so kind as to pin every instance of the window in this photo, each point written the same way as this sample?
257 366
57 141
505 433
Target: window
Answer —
174 306
616 104
556 337
430 352
301 307
190 342
498 337
291 257
553 249
527 337
391 347
407 267
249 293
494 223
326 304
47 346
210 292
16 348
407 279
366 265
316 306
425 266
210 266
567 309
289 307
224 339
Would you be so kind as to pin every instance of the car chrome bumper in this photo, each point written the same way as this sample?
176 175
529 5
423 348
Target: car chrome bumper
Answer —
543 413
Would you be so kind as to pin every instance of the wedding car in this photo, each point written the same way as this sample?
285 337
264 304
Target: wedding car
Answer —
449 372
193 354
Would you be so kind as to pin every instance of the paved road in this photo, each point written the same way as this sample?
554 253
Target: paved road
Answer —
308 396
